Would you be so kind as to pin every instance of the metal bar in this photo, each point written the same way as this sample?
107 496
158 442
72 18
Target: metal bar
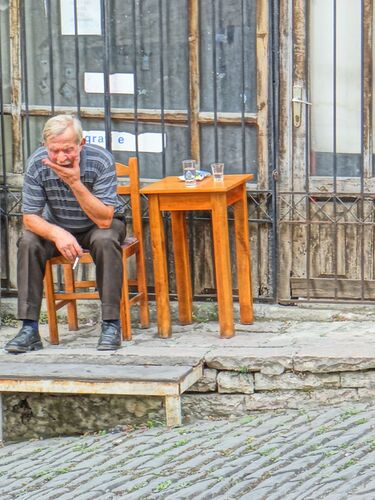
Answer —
135 72
193 108
25 77
274 152
106 70
335 238
361 204
3 214
2 122
77 65
51 56
15 69
243 96
307 153
214 78
161 66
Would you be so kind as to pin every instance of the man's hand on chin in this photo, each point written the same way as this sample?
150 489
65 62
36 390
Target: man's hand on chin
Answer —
69 172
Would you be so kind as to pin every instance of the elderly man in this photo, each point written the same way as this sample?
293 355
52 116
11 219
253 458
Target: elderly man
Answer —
69 204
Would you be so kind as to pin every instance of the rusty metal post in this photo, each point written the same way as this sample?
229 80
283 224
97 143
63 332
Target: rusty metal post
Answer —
16 93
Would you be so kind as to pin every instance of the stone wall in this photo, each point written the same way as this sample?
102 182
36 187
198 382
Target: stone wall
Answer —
220 393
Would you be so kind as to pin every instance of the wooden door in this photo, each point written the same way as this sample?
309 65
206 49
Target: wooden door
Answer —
326 178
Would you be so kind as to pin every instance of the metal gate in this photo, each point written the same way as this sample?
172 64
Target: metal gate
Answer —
163 80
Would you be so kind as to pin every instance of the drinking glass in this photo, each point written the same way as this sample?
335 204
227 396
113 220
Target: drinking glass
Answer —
189 169
218 171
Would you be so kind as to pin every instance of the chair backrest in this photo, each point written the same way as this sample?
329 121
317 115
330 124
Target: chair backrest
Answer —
130 171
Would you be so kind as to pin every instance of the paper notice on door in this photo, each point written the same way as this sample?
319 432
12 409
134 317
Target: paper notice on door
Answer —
88 17
119 83
124 141
147 143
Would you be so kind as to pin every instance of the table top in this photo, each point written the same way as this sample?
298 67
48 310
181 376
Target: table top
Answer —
173 184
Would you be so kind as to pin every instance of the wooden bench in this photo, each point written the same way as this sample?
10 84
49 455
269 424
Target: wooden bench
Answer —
125 380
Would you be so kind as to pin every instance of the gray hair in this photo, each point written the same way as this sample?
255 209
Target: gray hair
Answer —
57 125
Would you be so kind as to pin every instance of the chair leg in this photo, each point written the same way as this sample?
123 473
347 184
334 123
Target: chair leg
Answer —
144 314
50 301
72 305
125 316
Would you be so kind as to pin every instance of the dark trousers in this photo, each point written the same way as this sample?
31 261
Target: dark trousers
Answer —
105 247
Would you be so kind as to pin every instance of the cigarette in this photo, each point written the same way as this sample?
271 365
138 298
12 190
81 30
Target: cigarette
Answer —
75 263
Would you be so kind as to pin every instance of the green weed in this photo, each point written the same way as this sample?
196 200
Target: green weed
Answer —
162 486
248 419
349 413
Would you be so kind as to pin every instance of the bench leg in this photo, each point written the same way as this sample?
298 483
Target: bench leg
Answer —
173 410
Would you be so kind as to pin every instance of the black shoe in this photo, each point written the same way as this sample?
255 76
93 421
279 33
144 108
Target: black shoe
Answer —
110 338
27 339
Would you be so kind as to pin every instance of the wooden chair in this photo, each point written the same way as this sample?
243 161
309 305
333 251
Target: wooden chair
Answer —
73 288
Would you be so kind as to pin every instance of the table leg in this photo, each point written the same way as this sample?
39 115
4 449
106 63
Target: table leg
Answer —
159 258
222 264
182 267
241 227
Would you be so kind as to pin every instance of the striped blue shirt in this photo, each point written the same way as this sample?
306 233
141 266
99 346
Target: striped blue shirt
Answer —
45 194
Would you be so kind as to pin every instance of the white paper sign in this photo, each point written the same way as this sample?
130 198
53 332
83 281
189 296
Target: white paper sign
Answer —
96 137
88 17
119 83
124 141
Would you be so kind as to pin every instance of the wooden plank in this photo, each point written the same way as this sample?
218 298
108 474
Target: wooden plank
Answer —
173 411
262 64
300 233
93 372
285 167
367 69
120 388
194 77
325 288
124 114
175 116
193 376
322 185
227 118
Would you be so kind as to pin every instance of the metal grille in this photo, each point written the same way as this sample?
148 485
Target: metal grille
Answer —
193 68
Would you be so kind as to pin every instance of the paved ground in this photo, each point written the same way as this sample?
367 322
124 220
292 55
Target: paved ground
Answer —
310 453
319 453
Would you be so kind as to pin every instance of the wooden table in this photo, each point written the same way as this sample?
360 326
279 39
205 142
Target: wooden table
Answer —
170 194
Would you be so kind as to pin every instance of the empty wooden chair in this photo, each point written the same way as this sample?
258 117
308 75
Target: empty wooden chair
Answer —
73 289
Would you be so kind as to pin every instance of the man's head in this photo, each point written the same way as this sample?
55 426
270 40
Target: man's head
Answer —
63 138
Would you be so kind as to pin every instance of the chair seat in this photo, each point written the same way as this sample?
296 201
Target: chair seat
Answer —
129 246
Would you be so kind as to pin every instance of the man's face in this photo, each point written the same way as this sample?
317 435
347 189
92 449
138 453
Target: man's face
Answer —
63 149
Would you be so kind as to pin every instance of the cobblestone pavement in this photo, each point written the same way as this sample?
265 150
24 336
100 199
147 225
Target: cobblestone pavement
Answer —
309 454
